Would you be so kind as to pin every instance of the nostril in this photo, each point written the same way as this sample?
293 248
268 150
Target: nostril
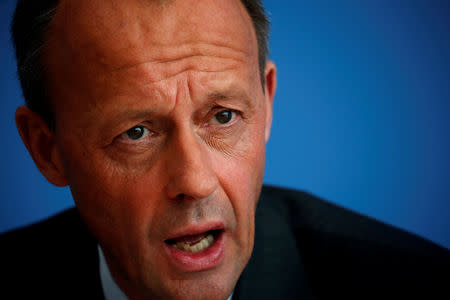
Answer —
186 197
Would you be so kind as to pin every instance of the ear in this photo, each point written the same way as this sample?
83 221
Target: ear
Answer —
41 144
270 86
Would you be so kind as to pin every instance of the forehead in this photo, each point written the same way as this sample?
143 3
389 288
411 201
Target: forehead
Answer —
122 33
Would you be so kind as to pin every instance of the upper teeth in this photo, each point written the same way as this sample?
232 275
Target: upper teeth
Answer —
199 246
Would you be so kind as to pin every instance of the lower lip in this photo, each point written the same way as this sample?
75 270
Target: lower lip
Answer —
203 260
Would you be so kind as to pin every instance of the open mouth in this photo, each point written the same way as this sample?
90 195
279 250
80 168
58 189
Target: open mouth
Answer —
195 243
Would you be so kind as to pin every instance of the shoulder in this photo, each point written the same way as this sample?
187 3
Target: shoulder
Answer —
48 238
49 256
341 247
307 213
50 227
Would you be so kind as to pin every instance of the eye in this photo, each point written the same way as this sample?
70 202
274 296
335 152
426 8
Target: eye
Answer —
224 117
135 133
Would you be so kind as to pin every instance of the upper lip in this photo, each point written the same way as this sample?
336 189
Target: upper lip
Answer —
196 229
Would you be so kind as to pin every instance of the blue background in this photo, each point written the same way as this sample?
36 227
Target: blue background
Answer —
361 114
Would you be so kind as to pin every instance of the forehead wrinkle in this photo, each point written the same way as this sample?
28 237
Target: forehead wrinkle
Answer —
179 52
165 75
159 72
143 31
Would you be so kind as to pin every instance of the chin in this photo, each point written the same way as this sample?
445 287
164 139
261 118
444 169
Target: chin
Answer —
209 284
206 292
207 288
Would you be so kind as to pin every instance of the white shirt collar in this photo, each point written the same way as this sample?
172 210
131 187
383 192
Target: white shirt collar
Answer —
110 288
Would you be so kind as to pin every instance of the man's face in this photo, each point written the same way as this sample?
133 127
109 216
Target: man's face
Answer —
161 123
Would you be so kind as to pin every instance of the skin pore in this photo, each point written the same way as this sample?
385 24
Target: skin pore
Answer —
161 125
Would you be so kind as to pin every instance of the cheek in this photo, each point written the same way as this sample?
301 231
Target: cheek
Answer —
244 168
108 198
241 178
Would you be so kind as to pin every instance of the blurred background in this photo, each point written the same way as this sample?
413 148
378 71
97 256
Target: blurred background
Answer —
361 113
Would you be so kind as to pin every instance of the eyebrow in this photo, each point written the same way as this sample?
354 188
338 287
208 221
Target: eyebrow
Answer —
231 93
133 114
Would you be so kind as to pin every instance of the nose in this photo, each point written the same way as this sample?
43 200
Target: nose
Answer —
191 175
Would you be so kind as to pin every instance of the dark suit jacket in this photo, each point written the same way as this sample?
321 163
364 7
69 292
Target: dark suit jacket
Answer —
305 248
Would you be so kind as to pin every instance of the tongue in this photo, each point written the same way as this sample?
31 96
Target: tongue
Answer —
191 239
